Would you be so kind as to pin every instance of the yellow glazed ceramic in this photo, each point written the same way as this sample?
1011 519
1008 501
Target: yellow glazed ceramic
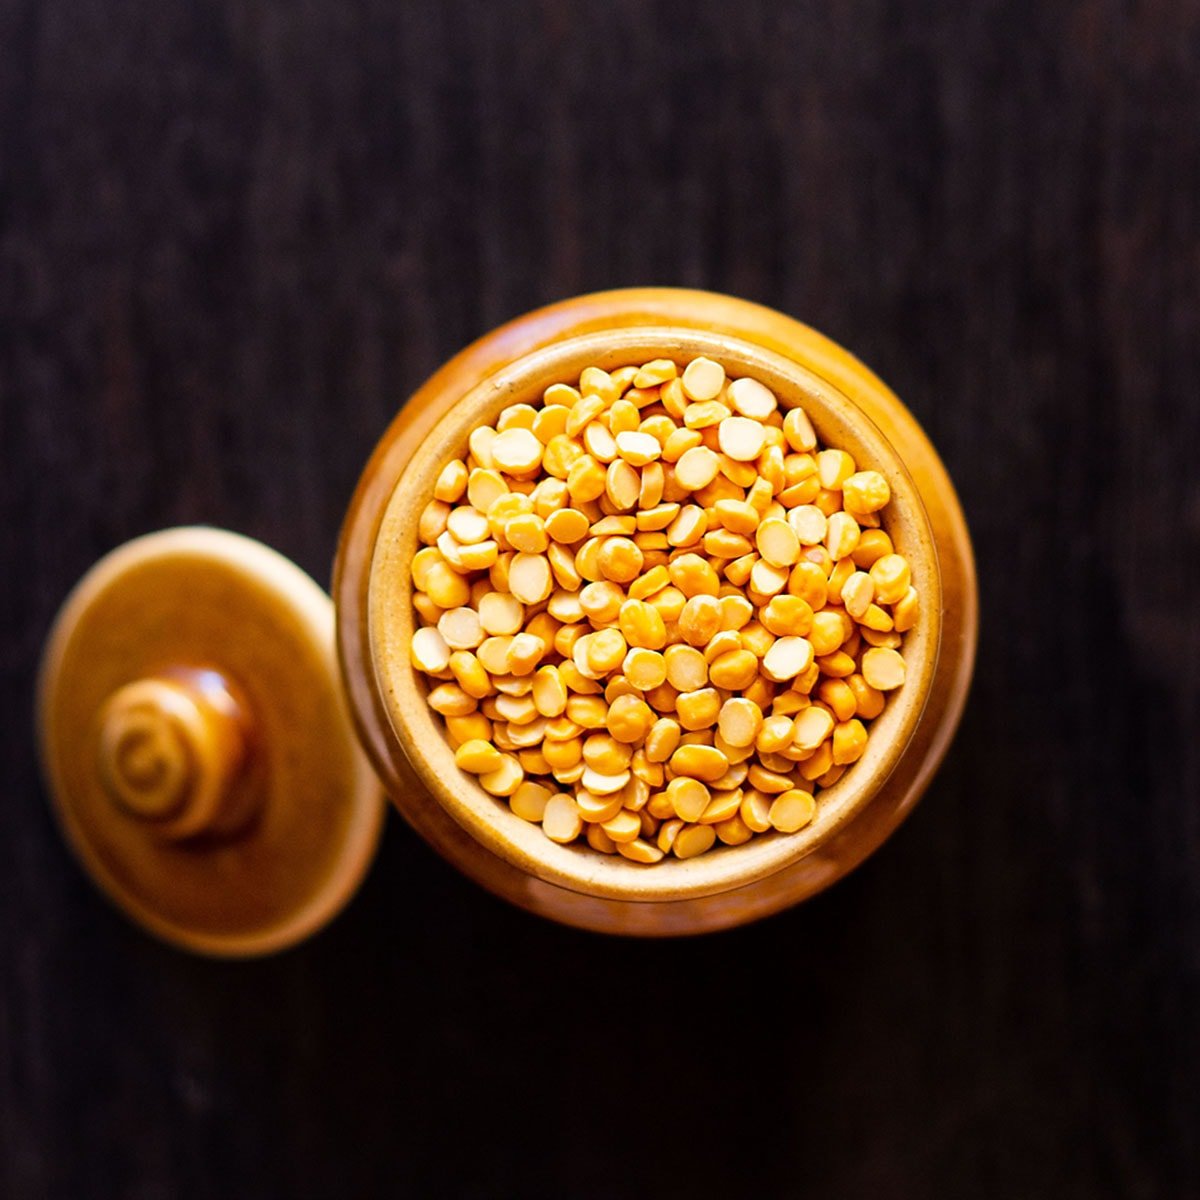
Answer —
195 738
850 408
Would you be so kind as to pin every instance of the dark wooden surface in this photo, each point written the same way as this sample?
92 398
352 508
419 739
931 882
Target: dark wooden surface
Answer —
235 235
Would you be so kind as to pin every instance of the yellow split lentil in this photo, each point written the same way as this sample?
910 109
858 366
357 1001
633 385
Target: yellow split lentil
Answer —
656 613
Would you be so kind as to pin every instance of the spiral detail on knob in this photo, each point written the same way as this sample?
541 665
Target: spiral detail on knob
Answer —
167 752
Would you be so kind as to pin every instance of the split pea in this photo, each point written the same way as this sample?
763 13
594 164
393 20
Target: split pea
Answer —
655 607
703 379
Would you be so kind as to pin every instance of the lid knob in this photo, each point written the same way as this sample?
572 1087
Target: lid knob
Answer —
168 749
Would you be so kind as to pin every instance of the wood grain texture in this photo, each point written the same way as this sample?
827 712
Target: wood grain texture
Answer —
234 235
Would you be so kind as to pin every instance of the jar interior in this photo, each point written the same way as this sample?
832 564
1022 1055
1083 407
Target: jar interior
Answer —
419 731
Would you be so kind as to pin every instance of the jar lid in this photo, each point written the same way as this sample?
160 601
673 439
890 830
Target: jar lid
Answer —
197 745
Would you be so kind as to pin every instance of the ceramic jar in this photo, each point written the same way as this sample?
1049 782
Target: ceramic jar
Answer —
851 409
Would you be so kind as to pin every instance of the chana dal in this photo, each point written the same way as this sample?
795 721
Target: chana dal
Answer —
656 613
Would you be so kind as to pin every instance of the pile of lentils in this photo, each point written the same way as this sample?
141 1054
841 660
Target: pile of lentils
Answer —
657 614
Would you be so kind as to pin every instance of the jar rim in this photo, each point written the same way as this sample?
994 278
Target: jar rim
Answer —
390 620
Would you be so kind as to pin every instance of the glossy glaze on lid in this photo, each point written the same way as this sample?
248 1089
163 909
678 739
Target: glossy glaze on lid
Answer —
195 738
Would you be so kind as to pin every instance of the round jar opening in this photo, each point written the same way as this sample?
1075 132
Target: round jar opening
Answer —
418 730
